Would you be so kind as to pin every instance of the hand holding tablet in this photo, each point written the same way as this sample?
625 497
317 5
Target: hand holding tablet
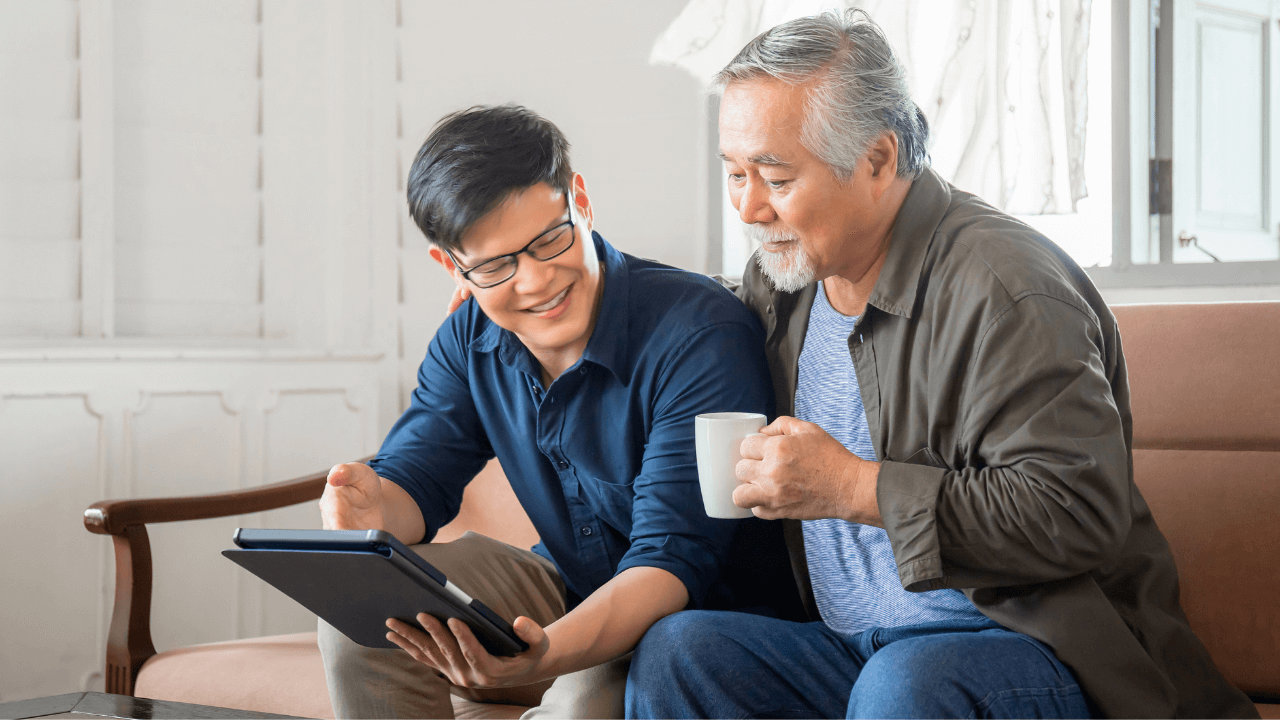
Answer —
357 579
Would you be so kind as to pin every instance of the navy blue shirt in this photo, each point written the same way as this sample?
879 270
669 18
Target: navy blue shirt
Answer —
603 459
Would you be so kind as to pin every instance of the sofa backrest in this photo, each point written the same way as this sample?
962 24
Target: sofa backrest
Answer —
1205 382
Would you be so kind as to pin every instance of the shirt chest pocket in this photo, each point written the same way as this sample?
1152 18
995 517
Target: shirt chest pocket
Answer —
611 501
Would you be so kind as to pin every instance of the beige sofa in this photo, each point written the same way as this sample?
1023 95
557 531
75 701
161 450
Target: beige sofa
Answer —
1206 405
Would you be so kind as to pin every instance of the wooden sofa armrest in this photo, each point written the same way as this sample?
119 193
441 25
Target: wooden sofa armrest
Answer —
129 642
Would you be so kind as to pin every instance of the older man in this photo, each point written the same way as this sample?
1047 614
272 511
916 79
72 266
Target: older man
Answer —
954 440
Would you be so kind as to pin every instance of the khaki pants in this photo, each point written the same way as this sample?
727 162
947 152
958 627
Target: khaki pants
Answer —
371 683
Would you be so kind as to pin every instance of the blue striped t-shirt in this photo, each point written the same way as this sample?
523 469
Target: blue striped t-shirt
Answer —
855 579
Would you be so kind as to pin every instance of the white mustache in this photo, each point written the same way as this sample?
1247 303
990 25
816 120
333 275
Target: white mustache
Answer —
766 234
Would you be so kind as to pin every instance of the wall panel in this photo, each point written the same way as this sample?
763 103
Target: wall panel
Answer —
306 431
183 444
51 623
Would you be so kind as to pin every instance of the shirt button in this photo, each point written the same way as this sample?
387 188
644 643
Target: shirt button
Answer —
586 531
563 464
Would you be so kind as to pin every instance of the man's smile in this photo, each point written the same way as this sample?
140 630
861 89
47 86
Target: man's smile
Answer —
553 307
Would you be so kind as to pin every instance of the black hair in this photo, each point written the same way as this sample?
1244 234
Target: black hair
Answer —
474 159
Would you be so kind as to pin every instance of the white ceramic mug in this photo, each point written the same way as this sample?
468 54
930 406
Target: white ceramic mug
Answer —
718 440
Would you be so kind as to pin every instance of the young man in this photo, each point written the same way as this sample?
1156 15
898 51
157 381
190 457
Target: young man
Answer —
582 369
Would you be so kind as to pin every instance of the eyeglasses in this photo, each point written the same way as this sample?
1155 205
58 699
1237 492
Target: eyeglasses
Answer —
495 271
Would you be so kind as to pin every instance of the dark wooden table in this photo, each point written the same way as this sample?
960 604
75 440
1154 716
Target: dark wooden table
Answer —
84 705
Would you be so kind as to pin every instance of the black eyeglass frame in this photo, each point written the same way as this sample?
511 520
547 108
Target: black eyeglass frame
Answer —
515 256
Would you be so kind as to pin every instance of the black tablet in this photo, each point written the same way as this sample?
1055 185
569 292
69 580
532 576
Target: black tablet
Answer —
356 579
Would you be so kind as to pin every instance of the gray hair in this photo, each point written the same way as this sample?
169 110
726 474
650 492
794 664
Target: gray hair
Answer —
860 90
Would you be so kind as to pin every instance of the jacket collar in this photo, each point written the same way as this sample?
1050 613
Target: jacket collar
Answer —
921 213
608 344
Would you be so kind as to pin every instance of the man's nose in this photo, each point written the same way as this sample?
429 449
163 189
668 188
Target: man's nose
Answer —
532 275
753 205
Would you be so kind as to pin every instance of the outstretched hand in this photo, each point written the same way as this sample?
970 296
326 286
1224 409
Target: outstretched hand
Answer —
454 650
794 469
352 499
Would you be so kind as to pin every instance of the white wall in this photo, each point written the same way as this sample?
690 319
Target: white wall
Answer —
207 277
638 133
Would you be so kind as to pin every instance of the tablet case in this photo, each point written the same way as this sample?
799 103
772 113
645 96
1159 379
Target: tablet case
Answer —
356 579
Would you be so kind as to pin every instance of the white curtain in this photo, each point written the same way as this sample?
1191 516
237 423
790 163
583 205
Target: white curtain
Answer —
1002 82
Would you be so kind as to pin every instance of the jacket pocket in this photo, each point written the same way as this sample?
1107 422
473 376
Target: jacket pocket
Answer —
926 456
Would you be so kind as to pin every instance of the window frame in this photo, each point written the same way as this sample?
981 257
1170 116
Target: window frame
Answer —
1134 77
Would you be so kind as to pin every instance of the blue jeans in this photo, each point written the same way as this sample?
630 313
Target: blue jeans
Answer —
704 664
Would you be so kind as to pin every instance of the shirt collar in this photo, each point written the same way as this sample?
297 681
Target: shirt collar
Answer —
921 213
608 344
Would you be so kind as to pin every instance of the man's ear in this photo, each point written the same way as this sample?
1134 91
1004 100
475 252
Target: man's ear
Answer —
439 255
582 201
883 156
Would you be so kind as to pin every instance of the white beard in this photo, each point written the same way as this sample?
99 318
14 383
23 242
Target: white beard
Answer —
789 270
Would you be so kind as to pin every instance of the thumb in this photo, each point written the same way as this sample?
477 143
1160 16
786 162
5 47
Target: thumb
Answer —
529 631
339 475
349 474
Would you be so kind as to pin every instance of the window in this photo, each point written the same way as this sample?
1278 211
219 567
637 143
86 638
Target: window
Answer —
188 169
1194 113
40 169
1182 151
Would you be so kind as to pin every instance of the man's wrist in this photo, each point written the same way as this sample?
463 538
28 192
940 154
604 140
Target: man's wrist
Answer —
866 507
859 501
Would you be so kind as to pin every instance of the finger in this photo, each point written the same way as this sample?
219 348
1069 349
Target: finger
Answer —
753 446
472 651
405 645
460 295
748 471
425 643
409 647
415 642
749 495
446 643
786 425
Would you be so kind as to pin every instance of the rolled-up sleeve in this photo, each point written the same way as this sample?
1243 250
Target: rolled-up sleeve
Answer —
1044 494
720 368
439 443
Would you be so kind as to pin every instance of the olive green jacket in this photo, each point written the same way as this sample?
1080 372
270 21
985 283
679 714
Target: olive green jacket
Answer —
997 399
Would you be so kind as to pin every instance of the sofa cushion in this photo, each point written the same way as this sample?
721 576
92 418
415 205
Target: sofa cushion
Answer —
280 674
1220 511
1206 436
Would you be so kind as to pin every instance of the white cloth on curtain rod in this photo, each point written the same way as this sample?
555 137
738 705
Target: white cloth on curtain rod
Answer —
1003 83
